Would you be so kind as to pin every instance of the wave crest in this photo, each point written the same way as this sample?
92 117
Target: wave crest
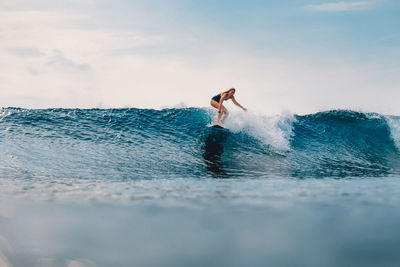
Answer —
144 143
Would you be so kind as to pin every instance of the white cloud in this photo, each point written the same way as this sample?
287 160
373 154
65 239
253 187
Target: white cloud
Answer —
60 60
25 52
342 6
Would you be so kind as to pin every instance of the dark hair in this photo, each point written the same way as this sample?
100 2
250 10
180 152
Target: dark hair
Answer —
229 90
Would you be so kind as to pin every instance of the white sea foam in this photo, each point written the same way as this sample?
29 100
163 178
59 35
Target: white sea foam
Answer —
179 105
271 130
4 113
394 124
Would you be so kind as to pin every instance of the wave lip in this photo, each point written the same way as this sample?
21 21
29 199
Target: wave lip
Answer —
345 143
178 142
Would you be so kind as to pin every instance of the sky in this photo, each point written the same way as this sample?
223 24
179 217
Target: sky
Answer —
300 56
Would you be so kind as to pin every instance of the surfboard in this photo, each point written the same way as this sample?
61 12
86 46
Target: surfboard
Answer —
217 126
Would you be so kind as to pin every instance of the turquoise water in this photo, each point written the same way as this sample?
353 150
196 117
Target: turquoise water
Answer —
132 187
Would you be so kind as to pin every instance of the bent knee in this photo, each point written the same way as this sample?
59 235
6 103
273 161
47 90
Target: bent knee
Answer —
214 104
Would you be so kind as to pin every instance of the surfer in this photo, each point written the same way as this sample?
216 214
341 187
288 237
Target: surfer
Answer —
217 102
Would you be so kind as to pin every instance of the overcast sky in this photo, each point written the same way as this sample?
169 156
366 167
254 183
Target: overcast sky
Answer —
302 56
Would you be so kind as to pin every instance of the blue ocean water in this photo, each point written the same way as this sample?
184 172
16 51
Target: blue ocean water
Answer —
142 187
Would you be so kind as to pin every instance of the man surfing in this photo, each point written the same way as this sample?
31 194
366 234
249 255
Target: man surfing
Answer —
217 101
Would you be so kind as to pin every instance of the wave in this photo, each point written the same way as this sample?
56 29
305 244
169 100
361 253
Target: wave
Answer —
178 142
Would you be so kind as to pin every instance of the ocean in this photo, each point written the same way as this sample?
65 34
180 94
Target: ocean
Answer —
144 187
